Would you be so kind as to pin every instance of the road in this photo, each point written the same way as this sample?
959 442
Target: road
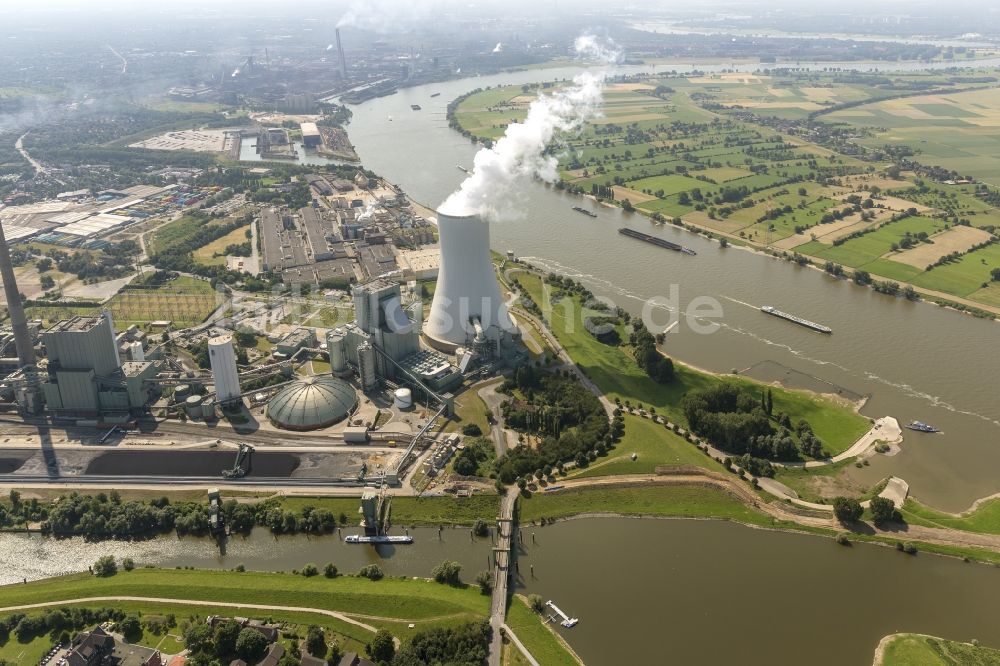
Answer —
503 555
36 165
494 401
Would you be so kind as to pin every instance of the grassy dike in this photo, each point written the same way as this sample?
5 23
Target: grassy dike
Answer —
618 375
984 518
411 510
543 643
920 650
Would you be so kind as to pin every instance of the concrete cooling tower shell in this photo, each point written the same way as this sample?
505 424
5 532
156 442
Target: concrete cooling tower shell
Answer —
466 287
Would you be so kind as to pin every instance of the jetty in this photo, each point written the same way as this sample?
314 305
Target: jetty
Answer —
567 621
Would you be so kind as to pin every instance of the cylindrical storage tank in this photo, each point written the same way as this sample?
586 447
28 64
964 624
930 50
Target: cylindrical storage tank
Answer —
222 357
181 392
192 406
336 349
366 365
207 408
403 398
466 285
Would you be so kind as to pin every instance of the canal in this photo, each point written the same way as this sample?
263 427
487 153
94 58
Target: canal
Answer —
916 361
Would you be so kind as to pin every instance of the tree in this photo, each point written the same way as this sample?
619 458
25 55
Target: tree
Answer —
847 510
448 573
480 529
371 572
309 570
128 564
250 645
485 582
770 403
472 430
131 628
381 648
883 510
198 637
105 566
316 642
225 637
330 570
536 603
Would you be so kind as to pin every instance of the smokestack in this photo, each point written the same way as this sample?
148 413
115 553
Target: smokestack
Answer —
340 53
22 340
466 287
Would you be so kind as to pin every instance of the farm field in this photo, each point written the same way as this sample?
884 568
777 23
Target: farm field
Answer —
206 254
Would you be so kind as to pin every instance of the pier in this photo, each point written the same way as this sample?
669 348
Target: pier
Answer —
567 621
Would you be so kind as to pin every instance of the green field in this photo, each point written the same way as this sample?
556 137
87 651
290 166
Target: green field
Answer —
859 252
618 375
205 254
654 444
984 519
393 598
541 642
919 650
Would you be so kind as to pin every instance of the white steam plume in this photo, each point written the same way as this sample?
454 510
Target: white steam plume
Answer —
522 151
388 16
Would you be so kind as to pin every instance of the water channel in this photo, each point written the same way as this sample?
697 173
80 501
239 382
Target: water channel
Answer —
916 361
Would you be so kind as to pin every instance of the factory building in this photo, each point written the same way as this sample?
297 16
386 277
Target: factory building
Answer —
311 137
222 357
85 373
384 343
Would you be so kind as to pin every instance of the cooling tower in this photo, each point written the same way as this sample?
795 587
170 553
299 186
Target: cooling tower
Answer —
466 286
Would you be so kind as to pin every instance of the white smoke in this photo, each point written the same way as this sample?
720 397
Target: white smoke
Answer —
498 48
387 16
522 152
329 47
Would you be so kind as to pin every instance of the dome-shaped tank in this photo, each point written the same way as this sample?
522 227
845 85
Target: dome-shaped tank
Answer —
311 403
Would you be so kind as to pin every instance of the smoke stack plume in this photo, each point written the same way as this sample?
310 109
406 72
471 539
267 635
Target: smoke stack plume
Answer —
522 152
340 53
22 340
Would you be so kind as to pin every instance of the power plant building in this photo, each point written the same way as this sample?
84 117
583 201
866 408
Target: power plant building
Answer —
85 375
222 357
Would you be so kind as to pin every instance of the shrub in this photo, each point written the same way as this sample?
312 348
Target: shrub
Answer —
372 572
847 510
128 564
330 570
485 581
309 570
883 510
910 548
472 430
480 529
105 566
448 573
536 603
843 540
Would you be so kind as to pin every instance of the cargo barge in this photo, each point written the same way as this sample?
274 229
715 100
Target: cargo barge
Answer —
656 241
820 328
580 209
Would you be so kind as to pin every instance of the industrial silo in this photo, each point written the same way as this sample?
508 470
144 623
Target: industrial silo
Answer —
192 406
403 398
366 365
337 351
222 357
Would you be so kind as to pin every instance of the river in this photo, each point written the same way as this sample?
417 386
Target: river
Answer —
916 361
638 586
34 556
709 592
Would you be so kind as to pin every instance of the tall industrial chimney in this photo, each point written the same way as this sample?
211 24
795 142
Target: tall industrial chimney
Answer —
340 53
466 287
22 340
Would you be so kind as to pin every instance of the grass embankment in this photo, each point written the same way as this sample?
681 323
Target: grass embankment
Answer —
615 371
541 642
677 501
394 598
411 510
919 650
654 445
469 409
985 518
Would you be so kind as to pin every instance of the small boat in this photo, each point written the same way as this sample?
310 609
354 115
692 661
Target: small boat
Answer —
435 94
920 426
378 538
580 209
415 107
462 168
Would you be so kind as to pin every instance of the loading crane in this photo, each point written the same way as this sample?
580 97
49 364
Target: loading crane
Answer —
242 456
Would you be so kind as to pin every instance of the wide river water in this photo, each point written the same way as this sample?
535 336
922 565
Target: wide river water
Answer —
639 587
916 361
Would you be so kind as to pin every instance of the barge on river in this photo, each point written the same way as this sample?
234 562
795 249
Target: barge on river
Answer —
378 538
774 312
631 233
